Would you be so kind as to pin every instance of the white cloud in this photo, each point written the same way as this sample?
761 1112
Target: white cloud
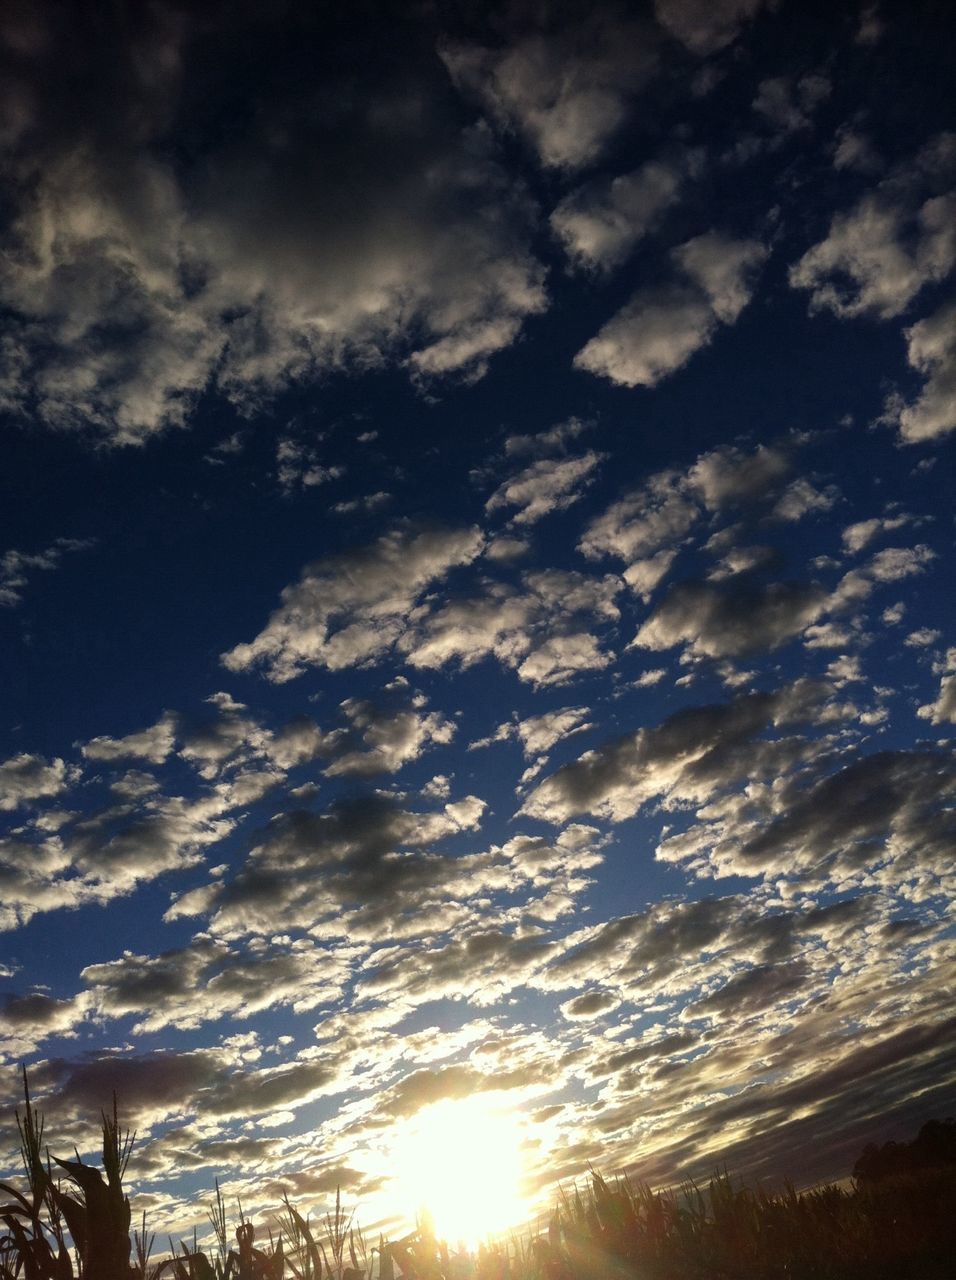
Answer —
383 736
729 475
724 268
547 485
656 516
17 567
854 151
153 744
544 443
922 638
351 609
644 576
861 534
931 350
892 615
538 734
877 257
871 28
801 498
742 560
600 223
560 658
894 563
655 334
658 331
943 709
566 91
298 466
27 777
541 629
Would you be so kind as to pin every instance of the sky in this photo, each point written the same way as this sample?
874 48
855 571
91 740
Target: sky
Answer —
476 605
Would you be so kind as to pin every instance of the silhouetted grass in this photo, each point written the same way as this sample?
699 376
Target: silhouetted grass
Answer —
72 1222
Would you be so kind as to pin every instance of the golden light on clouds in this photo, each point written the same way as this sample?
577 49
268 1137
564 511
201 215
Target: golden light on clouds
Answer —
462 1161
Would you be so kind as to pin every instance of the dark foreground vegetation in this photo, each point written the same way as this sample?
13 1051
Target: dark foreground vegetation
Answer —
70 1220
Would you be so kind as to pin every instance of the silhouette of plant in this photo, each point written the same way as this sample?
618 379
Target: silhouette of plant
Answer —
70 1221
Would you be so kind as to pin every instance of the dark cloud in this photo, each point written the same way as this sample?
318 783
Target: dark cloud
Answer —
209 980
751 991
688 756
705 26
360 868
343 221
893 801
733 620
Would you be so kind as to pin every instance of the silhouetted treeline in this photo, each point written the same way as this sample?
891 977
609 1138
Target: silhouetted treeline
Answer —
934 1147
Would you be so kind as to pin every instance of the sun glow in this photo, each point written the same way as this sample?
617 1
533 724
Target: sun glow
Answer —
462 1161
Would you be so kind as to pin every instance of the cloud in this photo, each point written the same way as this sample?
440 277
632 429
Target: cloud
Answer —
730 621
891 804
17 567
723 268
359 869
298 466
351 609
853 150
209 979
742 560
752 991
634 528
600 223
931 350
791 104
647 527
566 90
135 284
801 498
661 327
860 534
729 475
384 734
540 733
546 486
26 1020
893 563
686 757
943 709
652 336
483 967
555 439
233 737
592 1004
706 26
877 257
541 628
26 777
153 744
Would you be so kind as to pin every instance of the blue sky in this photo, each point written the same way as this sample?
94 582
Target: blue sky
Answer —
475 583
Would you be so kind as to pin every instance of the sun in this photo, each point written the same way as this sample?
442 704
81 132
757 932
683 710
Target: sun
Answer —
462 1161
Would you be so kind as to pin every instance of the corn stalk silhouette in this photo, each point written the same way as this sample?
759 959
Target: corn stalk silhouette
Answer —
94 1212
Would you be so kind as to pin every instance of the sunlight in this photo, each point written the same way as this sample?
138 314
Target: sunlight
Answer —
462 1161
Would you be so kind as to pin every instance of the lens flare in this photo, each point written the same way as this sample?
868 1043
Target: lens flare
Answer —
461 1161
